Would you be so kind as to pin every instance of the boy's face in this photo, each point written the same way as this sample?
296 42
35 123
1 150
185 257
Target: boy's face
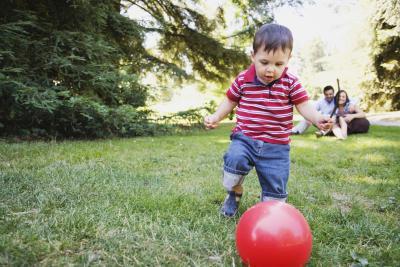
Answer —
269 64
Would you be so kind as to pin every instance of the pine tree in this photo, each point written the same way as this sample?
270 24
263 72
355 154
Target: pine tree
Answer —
74 68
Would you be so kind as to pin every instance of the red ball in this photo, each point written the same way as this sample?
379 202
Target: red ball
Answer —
273 234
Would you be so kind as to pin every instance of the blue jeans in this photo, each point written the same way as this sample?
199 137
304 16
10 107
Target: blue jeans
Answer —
271 161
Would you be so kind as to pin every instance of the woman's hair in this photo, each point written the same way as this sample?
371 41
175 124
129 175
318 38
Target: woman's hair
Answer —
272 37
337 96
336 100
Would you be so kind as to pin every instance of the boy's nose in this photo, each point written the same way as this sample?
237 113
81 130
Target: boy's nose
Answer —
270 68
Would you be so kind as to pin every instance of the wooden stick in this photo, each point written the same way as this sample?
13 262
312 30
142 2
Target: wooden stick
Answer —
338 87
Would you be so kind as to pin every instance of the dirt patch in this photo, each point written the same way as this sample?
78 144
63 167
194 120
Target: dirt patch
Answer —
343 201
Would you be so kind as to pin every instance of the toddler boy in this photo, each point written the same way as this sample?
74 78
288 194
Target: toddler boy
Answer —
264 95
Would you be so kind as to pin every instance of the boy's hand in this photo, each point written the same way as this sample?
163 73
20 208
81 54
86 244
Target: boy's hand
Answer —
325 123
223 109
211 122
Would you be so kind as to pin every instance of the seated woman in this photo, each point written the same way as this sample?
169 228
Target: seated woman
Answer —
349 117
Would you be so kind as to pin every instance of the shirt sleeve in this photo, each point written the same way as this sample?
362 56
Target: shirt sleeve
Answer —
234 92
318 105
297 93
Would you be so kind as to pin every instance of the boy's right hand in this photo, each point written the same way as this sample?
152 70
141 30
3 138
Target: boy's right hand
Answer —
325 123
211 122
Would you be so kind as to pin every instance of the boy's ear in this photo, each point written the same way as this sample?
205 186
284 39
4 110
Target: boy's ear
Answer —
252 56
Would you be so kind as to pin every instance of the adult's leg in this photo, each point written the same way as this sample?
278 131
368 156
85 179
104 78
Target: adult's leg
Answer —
301 127
359 125
343 127
337 131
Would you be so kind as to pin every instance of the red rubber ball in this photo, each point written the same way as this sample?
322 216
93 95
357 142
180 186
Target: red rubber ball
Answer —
272 234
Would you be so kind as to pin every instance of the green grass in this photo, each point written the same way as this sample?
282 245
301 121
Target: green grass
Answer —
155 201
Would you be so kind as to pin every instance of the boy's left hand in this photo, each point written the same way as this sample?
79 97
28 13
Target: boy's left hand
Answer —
325 123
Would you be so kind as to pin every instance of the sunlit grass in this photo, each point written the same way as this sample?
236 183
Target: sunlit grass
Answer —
154 201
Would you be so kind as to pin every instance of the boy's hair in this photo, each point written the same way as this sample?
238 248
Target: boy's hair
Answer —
271 37
329 87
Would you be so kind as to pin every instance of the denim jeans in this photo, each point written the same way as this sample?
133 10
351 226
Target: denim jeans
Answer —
271 161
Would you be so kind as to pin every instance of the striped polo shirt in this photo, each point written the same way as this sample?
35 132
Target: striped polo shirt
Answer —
265 112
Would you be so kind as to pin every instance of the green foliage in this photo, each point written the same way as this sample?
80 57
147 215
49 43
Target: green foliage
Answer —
61 69
313 63
187 40
197 46
71 68
189 118
382 86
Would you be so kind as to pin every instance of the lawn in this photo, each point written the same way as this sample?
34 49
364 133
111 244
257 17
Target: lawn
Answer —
154 201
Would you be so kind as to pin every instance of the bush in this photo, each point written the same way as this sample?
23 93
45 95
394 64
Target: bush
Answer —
81 117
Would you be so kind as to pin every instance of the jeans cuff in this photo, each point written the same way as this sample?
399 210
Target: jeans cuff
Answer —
271 196
233 171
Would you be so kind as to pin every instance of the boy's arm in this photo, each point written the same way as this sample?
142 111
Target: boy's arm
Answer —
223 110
318 105
308 111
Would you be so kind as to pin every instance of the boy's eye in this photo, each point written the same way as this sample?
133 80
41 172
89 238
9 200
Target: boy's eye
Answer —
279 64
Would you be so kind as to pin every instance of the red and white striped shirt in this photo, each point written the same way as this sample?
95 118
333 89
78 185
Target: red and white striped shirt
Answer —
265 112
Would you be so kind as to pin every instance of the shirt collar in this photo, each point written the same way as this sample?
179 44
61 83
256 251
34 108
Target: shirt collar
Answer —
251 77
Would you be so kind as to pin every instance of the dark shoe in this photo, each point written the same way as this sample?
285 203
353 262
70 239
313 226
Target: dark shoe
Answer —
231 204
319 134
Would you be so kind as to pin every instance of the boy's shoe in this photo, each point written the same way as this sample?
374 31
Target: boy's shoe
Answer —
231 204
319 134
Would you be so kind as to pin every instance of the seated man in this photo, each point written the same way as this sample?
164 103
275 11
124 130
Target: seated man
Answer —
325 106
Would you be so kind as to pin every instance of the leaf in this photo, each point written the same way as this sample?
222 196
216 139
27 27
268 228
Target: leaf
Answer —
360 261
363 261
